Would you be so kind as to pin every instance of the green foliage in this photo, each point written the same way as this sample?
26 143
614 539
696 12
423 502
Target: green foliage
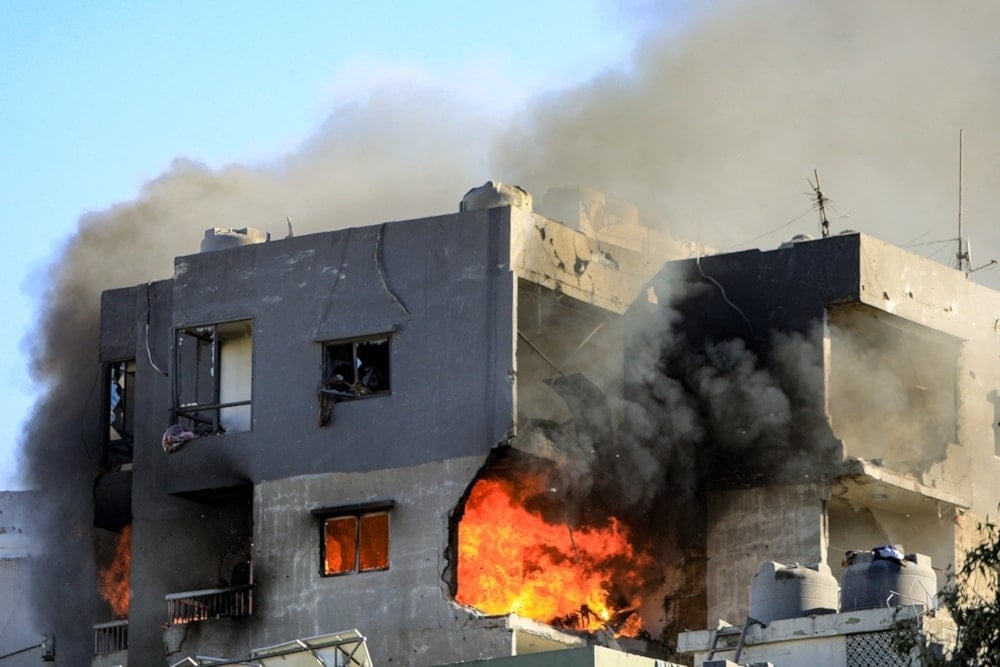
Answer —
971 599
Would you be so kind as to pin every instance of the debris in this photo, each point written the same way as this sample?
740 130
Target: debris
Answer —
175 436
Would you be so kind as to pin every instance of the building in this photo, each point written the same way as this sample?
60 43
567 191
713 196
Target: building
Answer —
21 640
355 394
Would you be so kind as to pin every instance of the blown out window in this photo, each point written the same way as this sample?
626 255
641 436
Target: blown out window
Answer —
354 538
353 369
212 382
120 412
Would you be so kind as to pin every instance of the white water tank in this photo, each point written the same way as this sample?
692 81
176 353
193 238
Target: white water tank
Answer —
788 591
221 238
493 194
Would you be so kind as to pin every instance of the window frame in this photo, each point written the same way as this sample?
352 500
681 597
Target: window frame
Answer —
357 512
354 342
193 412
123 444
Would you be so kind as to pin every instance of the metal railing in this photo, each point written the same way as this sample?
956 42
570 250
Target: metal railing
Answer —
192 606
110 637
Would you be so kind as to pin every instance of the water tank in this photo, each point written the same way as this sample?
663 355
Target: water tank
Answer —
870 582
788 591
493 194
218 238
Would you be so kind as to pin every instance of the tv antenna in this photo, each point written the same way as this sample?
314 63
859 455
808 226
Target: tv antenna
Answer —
821 202
963 257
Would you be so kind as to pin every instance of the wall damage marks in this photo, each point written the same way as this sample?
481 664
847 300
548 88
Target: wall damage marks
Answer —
893 394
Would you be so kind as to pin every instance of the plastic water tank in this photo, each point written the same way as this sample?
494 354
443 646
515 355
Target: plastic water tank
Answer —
788 591
493 194
870 582
219 238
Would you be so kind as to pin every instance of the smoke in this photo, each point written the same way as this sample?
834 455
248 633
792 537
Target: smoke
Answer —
715 129
395 157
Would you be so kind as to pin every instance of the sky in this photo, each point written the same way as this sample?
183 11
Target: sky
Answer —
96 99
709 115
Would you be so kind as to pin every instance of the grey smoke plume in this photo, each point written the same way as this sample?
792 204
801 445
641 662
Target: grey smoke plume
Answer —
714 129
717 128
395 158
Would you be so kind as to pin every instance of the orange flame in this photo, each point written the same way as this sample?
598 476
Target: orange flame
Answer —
512 559
114 579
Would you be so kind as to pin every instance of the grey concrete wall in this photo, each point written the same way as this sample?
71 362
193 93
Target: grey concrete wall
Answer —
18 556
785 524
406 611
452 394
451 390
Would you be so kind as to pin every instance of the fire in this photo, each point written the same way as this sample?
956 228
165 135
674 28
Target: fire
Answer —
114 579
512 559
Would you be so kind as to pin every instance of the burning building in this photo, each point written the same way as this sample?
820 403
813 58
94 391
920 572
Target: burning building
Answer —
489 433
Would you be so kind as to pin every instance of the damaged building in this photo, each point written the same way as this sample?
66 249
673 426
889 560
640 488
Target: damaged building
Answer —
504 431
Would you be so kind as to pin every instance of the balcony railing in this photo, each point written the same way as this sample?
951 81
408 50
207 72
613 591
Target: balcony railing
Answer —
192 606
110 637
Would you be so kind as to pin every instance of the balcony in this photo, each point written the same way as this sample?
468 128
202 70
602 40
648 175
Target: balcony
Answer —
110 637
211 603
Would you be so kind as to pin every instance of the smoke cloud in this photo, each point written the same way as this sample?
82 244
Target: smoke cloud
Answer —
716 129
713 130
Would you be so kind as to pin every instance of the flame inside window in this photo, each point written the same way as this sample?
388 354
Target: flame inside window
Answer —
517 553
356 543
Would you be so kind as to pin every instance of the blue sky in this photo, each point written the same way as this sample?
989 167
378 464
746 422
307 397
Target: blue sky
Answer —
98 98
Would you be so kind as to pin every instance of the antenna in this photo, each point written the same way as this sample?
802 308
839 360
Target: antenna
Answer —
963 258
821 202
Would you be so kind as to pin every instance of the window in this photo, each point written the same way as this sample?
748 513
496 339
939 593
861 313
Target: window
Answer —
353 369
120 415
212 382
354 538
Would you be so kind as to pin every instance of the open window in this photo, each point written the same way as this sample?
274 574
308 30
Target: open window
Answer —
354 538
120 414
213 378
352 369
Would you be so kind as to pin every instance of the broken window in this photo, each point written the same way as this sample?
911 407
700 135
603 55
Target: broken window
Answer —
212 382
353 369
120 414
354 538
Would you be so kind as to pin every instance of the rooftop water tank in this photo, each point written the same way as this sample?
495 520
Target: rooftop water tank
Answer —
493 194
788 591
219 238
870 582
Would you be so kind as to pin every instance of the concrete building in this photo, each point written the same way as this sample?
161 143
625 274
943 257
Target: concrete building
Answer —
21 639
350 390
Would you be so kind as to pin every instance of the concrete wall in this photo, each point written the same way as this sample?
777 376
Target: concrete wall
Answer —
442 286
406 611
785 524
18 549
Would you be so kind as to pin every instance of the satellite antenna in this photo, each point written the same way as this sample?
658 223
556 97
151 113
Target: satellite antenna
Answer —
821 202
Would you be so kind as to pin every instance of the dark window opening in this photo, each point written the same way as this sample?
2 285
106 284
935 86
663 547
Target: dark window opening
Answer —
354 539
212 380
353 369
120 414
